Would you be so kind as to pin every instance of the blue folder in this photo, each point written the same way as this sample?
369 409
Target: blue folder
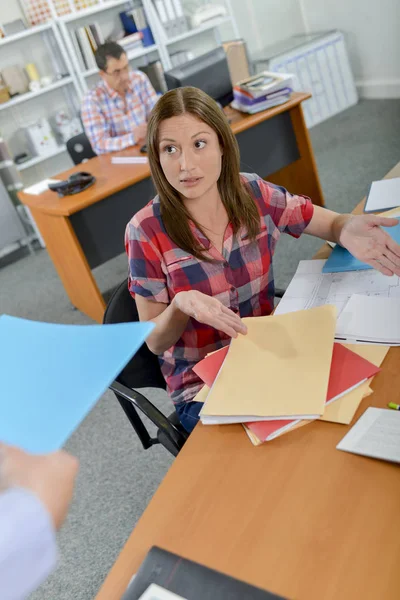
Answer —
341 260
51 376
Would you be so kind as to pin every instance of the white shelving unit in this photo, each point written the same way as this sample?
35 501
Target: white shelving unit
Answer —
68 84
24 34
211 25
38 159
31 95
162 46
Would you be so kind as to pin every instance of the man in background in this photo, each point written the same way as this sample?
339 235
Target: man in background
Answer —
35 493
116 110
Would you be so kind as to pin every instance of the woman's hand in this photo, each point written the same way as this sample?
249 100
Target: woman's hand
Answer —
364 239
210 311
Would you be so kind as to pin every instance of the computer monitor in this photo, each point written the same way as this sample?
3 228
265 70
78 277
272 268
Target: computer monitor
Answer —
209 72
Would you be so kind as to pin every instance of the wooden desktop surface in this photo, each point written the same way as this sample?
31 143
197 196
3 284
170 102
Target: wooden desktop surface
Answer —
112 178
294 516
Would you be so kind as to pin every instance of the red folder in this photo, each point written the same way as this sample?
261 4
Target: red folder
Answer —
348 370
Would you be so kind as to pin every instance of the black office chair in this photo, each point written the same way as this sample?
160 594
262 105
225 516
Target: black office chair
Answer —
80 149
142 371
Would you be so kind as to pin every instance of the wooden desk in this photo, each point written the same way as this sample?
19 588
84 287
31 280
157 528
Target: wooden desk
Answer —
294 516
84 231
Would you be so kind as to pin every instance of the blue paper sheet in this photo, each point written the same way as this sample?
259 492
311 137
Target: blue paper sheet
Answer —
341 260
52 375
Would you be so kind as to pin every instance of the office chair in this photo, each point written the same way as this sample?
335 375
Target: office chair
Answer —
142 371
79 148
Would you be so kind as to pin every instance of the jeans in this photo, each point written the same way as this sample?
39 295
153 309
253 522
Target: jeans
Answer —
188 413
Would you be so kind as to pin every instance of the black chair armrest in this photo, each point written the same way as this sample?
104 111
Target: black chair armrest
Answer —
177 437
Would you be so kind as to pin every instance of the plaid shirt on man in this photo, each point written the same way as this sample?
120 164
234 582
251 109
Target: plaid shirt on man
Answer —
241 278
109 120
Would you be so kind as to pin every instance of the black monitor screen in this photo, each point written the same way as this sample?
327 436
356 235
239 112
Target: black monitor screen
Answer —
209 72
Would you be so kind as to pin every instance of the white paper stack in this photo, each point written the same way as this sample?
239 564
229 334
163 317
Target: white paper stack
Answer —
371 319
383 195
129 160
376 434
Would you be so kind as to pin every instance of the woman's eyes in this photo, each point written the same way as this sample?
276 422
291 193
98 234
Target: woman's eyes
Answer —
170 149
199 145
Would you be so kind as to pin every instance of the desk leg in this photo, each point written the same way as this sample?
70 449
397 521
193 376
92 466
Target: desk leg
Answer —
71 264
301 177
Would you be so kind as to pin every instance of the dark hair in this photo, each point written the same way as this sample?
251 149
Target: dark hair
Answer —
106 51
239 204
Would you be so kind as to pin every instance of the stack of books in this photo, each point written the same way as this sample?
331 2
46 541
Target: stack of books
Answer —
285 373
131 42
262 91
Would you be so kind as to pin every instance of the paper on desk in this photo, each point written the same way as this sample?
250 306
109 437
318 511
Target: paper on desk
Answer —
52 375
310 287
39 188
156 592
344 409
376 434
383 194
129 160
283 354
371 319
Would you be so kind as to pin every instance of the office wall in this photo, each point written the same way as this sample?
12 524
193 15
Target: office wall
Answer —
373 40
264 22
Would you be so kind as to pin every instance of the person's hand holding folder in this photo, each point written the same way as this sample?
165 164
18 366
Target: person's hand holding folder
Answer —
365 239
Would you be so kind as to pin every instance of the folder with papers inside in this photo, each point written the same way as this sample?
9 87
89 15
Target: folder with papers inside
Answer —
349 371
267 373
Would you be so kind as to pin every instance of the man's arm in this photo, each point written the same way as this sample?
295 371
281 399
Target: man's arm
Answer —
96 128
28 551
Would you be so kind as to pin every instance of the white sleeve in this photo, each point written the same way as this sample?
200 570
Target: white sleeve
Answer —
28 550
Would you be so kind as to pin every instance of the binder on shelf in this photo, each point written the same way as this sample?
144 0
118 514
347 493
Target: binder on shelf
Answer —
97 34
91 39
171 16
86 48
180 16
78 50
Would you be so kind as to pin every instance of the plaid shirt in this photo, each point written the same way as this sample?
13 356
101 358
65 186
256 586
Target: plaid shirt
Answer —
107 122
242 278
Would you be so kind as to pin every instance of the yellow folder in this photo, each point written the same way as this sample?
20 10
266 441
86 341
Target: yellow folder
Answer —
279 369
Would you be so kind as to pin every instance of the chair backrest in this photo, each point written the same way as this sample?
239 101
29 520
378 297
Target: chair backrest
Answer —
144 369
79 148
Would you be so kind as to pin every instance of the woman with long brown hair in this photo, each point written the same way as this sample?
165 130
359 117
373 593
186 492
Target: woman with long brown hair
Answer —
200 253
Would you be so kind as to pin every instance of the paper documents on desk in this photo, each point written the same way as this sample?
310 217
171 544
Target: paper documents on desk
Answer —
282 355
383 194
129 160
376 434
40 187
348 373
310 287
156 592
52 375
371 319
